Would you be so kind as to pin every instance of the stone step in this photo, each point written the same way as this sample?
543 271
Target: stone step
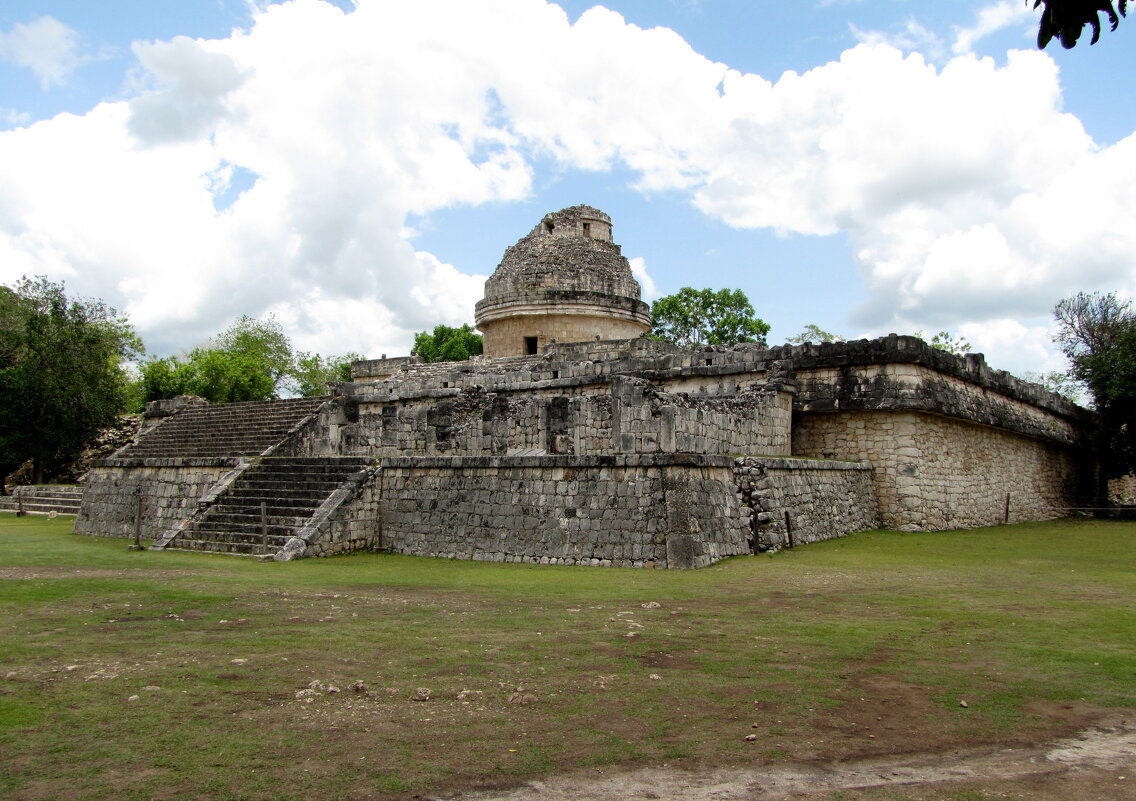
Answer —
54 490
240 528
291 489
248 516
234 501
276 540
301 472
359 461
277 479
244 429
63 501
232 548
276 495
35 508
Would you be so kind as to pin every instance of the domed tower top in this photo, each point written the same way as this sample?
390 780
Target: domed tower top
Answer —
567 280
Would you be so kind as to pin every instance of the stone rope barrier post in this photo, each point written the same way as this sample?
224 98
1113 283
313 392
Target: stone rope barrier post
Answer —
137 546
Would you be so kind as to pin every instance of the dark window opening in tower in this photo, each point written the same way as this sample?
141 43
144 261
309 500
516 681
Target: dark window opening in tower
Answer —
548 227
587 229
530 346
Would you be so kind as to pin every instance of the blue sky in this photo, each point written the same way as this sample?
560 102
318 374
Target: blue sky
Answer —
358 169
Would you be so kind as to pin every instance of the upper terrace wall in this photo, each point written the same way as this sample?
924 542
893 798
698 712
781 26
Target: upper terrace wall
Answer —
620 415
904 373
600 397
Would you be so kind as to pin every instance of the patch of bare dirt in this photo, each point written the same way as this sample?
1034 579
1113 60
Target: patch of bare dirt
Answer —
1097 763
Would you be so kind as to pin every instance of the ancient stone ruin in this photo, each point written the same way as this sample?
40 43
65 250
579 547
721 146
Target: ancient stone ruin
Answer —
577 441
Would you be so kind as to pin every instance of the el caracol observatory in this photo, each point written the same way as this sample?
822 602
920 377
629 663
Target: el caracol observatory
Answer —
576 441
566 281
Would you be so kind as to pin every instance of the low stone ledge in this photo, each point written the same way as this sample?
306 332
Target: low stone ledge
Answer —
613 460
785 463
166 461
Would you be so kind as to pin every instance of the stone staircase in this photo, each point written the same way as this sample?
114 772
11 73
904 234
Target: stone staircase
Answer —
228 429
293 490
44 499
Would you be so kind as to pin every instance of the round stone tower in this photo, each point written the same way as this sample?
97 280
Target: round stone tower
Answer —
565 281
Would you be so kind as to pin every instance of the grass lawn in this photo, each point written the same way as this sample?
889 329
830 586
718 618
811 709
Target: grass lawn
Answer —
140 675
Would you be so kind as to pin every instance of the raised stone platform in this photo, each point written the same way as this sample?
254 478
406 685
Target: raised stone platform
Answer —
43 499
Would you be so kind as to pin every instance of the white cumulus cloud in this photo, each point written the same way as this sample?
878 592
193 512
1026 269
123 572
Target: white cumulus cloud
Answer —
46 46
972 201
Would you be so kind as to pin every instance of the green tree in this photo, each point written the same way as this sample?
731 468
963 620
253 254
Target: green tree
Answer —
1066 19
813 333
258 345
250 360
63 374
1061 383
694 317
312 372
1097 333
946 341
447 344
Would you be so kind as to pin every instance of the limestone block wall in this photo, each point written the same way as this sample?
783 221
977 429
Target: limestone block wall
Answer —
796 501
918 387
169 489
624 511
647 419
936 473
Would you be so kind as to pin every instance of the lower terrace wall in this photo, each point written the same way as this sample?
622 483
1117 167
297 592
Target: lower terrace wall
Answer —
672 510
169 489
934 473
797 501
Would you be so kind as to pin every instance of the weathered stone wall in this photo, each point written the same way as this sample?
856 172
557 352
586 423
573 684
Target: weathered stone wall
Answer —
934 473
616 415
170 489
917 387
506 337
647 419
796 501
624 511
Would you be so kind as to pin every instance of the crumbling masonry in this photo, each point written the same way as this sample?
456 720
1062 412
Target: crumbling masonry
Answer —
574 440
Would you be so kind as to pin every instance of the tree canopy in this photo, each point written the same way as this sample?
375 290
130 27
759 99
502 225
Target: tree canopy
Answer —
1066 19
813 333
251 360
946 341
63 373
1097 333
694 317
311 372
447 344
